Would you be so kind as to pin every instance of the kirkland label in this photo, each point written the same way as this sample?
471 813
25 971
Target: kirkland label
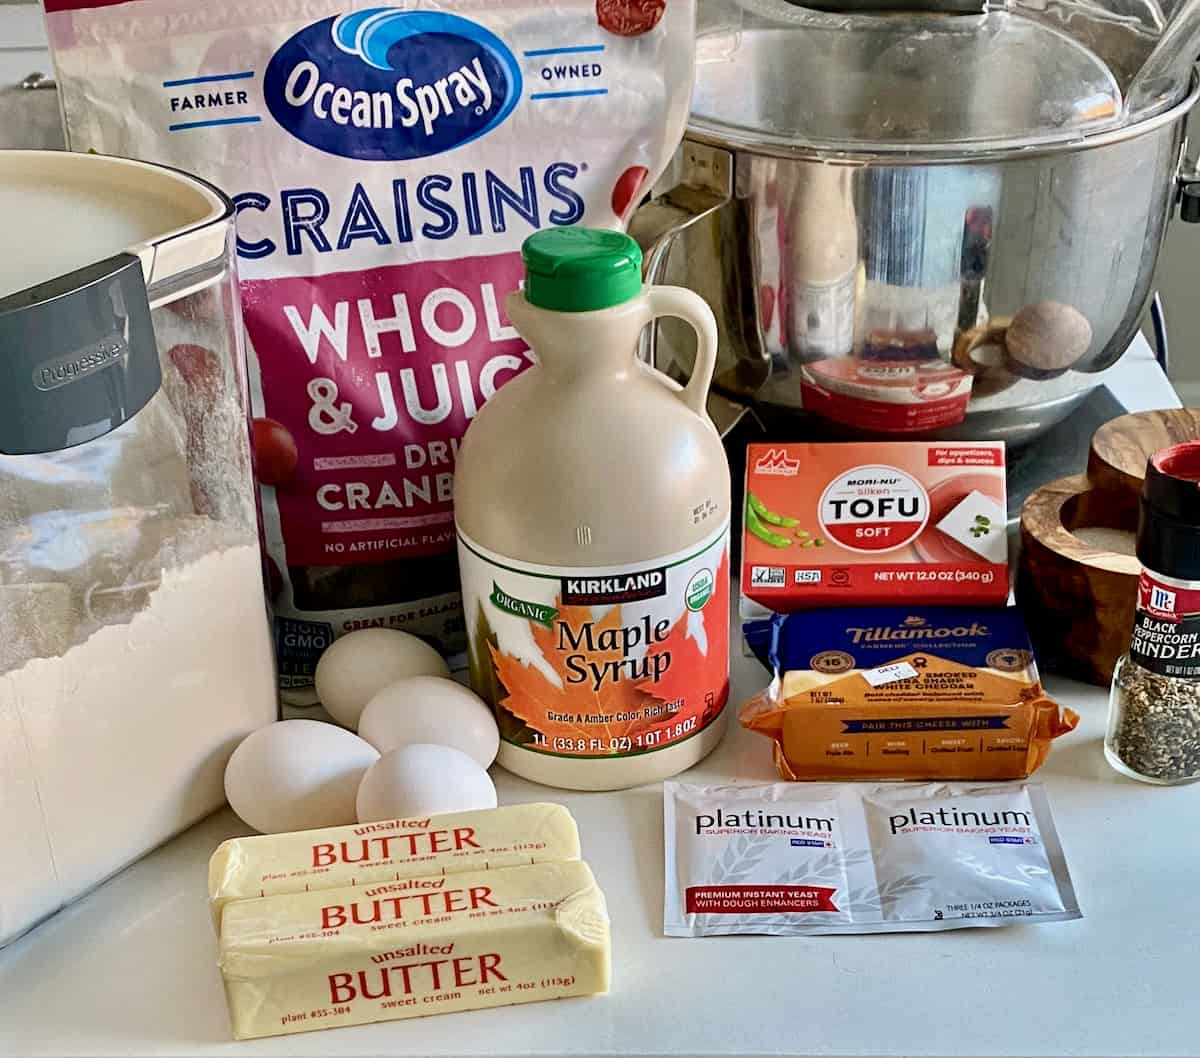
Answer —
600 662
1166 628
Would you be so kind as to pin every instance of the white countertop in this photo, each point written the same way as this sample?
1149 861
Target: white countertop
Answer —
1137 381
130 970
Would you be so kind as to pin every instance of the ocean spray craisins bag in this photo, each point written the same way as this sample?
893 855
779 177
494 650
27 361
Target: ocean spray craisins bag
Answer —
386 164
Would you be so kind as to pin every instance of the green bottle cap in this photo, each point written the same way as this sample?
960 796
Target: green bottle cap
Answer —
581 269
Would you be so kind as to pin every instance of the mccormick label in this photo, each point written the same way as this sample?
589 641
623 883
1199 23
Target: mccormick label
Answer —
600 662
1166 626
847 524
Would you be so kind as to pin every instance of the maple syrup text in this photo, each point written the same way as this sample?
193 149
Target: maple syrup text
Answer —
608 641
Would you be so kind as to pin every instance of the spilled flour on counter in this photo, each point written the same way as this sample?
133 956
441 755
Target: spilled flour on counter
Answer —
85 734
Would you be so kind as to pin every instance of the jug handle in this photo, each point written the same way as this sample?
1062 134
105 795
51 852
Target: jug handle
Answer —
693 310
705 186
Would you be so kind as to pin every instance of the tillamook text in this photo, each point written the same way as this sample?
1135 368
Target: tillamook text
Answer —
877 635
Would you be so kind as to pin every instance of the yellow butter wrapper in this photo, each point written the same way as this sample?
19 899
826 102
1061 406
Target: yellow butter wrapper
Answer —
367 853
418 946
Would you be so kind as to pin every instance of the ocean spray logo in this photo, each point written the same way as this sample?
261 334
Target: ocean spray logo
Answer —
388 85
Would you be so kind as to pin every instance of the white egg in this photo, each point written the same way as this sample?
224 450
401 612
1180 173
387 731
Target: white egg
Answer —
296 775
423 780
429 709
361 663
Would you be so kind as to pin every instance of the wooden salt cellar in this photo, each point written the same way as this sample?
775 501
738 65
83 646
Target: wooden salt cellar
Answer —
1078 597
1120 448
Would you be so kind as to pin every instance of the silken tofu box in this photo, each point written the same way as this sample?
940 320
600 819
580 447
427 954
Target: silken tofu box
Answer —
869 523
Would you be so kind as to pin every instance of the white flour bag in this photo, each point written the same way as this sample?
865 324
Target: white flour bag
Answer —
386 164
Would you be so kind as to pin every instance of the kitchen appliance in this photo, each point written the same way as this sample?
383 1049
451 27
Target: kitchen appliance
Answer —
135 652
926 223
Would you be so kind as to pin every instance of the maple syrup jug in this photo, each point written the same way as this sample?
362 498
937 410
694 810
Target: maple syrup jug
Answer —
592 506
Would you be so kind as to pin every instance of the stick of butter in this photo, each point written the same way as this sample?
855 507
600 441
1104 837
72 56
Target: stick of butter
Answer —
417 946
244 868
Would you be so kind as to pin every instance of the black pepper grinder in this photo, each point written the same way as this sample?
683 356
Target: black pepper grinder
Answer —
1154 709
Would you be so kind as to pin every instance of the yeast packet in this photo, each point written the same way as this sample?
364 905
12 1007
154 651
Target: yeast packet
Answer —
790 860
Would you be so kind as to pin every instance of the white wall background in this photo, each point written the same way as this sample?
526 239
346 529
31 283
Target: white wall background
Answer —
27 119
1179 284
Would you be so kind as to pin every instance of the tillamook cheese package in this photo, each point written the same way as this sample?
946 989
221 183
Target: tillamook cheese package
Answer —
902 693
386 163
786 860
855 524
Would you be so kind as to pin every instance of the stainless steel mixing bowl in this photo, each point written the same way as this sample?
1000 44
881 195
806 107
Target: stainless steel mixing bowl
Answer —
947 228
